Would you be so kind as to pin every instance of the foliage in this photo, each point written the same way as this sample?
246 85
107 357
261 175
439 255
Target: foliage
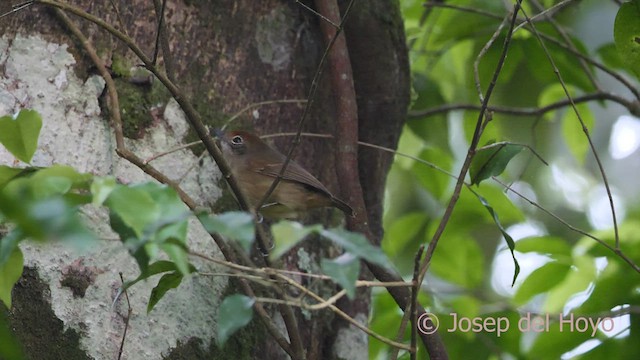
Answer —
565 271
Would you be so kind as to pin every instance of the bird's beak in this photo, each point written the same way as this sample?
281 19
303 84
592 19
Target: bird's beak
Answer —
216 133
218 136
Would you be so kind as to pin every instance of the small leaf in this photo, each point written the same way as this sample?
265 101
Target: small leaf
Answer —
166 283
20 134
7 173
506 236
492 160
157 267
287 234
235 225
101 187
626 33
10 272
179 256
135 207
234 313
357 244
344 270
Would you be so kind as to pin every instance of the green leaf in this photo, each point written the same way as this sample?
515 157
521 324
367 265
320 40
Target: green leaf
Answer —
578 279
540 280
448 27
179 256
573 132
626 33
544 245
540 67
506 236
48 219
344 270
357 244
610 56
10 273
56 220
101 187
20 135
492 160
7 173
287 234
134 206
612 287
235 225
155 268
166 283
234 313
8 244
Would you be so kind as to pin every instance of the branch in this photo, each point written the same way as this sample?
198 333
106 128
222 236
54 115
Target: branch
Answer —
347 159
615 75
634 108
297 351
585 130
307 109
472 148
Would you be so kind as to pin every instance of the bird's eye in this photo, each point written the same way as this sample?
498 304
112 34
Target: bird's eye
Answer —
236 140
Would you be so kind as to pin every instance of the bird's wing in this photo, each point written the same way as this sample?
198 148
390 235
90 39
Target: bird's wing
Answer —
294 172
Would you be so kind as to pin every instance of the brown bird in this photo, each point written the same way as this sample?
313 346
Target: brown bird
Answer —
255 165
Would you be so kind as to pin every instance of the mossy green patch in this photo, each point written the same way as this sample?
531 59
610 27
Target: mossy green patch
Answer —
41 334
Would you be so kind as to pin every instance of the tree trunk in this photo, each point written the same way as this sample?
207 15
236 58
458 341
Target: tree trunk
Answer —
225 56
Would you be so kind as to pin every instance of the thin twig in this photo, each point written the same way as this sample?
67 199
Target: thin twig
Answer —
126 320
191 114
341 313
415 290
16 8
569 226
472 148
567 40
417 114
584 129
162 40
483 51
115 9
501 143
197 124
590 60
324 18
307 110
261 103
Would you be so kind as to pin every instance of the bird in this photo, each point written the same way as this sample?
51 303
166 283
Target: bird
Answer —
255 165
